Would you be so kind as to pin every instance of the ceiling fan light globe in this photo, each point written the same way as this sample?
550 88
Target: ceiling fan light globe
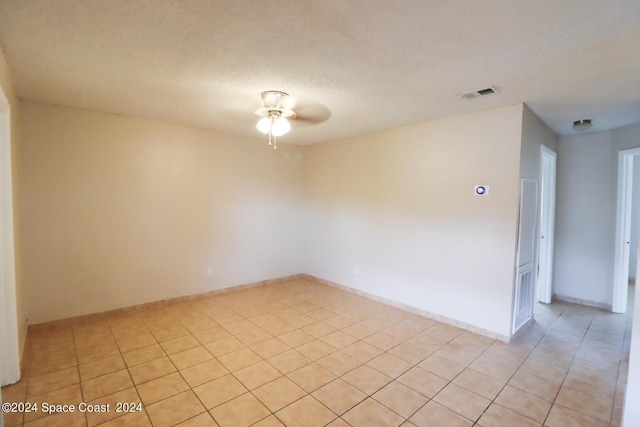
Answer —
263 125
280 126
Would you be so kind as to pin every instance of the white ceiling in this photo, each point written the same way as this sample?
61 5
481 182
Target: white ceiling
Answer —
371 64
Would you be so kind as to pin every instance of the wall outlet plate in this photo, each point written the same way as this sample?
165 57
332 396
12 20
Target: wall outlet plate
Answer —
481 190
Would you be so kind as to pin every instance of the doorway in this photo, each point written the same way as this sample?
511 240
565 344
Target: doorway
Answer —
623 229
9 347
547 220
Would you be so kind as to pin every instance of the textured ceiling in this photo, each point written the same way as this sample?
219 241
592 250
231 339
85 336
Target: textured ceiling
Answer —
366 65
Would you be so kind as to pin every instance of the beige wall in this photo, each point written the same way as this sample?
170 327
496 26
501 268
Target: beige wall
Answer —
393 214
9 91
120 211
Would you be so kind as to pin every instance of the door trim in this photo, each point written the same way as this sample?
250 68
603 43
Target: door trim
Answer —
9 343
623 230
547 226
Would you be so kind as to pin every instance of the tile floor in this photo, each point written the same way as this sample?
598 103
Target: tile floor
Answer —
303 354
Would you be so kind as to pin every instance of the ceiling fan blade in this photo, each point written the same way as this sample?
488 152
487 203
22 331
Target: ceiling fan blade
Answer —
309 112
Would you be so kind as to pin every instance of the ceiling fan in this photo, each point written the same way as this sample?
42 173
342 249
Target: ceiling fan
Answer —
278 110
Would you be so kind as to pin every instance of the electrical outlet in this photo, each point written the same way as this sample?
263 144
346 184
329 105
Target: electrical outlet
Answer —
356 270
209 271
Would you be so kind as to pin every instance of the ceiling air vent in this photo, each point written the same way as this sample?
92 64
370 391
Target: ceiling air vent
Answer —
482 92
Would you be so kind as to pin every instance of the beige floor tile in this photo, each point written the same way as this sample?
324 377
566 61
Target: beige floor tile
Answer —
106 384
280 327
535 385
54 363
134 419
382 341
362 351
400 398
224 346
242 411
190 357
177 345
564 417
255 375
584 403
422 381
151 370
91 354
161 388
311 377
319 329
170 333
462 401
219 391
338 331
203 420
547 371
479 383
269 348
91 341
279 393
499 416
366 379
94 418
142 355
131 331
239 359
370 413
239 326
253 336
210 335
203 372
101 367
288 361
339 363
338 339
132 343
410 353
339 396
523 403
296 338
500 370
389 365
175 409
53 381
306 412
264 319
74 419
315 349
444 368
70 395
457 353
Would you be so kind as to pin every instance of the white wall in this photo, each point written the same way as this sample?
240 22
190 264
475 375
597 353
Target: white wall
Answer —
585 217
398 205
119 211
585 212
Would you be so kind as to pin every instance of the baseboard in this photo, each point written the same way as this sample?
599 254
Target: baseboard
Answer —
413 310
53 324
581 301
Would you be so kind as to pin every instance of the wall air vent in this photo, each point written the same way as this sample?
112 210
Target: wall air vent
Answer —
482 92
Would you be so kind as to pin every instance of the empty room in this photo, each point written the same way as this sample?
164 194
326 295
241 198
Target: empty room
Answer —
233 214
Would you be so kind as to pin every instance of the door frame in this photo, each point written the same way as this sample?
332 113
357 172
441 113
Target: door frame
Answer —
623 230
9 343
548 159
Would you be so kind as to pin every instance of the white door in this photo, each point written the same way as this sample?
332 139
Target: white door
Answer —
547 218
525 277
